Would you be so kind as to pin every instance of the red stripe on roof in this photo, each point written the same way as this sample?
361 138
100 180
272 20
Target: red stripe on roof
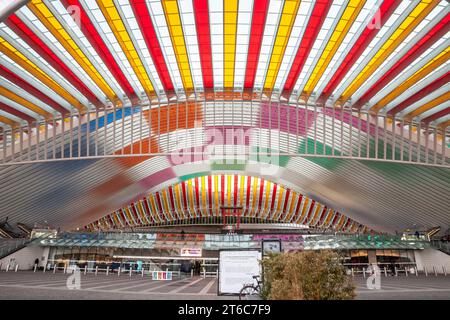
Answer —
15 24
315 22
436 115
436 84
17 113
6 73
148 31
260 9
94 38
204 41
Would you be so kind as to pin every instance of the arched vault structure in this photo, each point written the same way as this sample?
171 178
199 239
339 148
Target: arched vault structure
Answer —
329 113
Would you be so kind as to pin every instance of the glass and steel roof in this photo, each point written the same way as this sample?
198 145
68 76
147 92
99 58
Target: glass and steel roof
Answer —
202 199
390 56
124 85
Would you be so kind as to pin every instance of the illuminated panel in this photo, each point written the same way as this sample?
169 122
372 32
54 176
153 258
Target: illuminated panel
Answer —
358 26
18 81
136 36
418 95
13 108
332 19
14 97
432 96
230 14
99 22
411 69
417 15
118 28
4 119
51 23
50 59
100 47
30 67
420 47
400 14
385 11
352 10
190 37
286 23
421 30
298 32
436 113
158 18
17 113
260 8
73 28
26 95
435 102
216 26
242 42
176 33
148 30
270 31
315 22
204 41
431 66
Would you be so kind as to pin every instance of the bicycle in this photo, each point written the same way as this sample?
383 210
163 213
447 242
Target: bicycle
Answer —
251 291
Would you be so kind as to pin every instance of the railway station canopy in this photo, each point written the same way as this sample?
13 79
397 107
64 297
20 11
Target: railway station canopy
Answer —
328 114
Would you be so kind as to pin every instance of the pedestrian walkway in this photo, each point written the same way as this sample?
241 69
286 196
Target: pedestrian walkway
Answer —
29 285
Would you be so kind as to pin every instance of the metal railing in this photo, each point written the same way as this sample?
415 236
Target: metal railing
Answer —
292 130
443 246
8 246
108 267
395 269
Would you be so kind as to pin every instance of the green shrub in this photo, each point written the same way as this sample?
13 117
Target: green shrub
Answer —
307 275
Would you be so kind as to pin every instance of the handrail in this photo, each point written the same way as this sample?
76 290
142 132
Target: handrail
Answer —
443 246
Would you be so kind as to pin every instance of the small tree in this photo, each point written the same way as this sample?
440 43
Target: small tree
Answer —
307 275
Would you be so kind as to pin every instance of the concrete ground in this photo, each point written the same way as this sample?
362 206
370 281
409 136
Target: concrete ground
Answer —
29 285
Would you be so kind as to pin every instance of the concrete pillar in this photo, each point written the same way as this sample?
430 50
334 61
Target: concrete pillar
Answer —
372 256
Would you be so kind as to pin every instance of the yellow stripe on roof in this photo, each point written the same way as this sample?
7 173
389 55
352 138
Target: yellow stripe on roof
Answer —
348 17
112 16
9 121
431 66
287 20
14 97
30 67
56 29
429 105
229 40
179 46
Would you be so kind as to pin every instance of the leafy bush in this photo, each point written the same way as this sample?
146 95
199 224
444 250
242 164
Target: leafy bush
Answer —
307 275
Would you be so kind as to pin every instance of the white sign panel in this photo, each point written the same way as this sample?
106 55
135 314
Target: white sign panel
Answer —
191 252
236 268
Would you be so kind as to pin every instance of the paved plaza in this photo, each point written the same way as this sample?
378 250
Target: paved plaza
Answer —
29 285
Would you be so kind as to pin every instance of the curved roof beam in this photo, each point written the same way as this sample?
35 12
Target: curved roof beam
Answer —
7 8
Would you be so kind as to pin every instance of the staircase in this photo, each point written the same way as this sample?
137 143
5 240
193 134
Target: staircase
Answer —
443 246
9 246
